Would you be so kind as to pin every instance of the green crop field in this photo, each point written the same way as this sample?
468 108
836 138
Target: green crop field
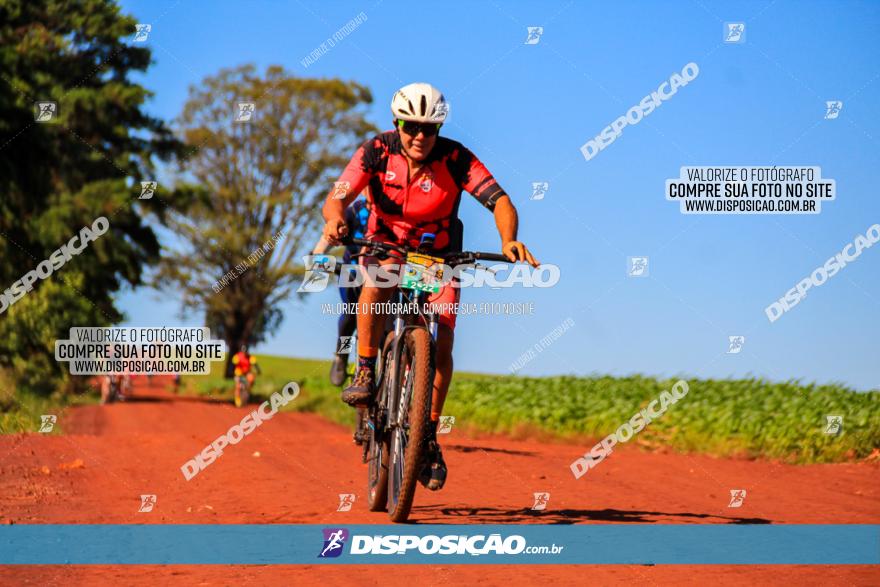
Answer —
748 417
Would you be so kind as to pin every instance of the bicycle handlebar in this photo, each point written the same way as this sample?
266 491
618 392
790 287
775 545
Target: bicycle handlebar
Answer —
456 258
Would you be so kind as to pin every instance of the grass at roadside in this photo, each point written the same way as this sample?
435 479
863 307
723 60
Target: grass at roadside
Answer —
20 411
747 417
317 395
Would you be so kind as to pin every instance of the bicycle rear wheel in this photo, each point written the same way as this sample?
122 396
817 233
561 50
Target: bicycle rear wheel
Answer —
415 380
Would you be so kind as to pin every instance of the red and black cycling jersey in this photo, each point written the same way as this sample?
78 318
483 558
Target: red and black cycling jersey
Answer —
402 207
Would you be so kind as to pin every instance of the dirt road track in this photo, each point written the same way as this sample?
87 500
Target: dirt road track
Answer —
109 455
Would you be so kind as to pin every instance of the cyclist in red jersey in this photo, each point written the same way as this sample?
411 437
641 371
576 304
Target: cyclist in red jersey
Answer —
414 180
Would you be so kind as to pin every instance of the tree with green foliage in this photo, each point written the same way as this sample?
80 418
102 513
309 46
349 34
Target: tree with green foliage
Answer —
264 152
60 175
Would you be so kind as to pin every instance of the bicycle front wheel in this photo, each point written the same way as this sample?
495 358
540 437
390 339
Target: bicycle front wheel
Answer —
408 440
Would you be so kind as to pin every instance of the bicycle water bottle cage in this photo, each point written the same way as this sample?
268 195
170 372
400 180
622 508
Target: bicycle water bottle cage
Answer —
427 242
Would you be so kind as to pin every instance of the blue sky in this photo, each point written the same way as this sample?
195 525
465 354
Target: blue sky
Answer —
525 110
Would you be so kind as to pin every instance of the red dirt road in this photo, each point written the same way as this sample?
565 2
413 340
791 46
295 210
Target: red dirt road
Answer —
293 467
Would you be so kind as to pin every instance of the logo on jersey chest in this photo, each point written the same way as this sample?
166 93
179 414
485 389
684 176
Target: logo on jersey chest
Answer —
426 183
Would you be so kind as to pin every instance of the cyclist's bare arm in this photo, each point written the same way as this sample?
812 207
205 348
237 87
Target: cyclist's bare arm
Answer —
321 246
356 179
507 222
334 216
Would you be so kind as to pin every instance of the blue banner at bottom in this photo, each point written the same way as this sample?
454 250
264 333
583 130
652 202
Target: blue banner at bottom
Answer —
664 544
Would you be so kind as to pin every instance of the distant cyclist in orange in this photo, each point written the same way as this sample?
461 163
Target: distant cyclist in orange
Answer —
245 365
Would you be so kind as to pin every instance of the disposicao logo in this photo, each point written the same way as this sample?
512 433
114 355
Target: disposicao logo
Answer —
334 540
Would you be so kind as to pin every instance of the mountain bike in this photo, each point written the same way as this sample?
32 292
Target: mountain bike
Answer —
394 426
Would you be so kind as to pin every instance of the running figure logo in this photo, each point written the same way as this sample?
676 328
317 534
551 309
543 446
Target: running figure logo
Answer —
45 111
318 270
737 497
637 266
834 424
344 346
832 109
334 540
735 344
346 500
446 424
148 188
340 189
534 35
147 503
734 32
541 500
245 111
47 422
441 111
142 31
539 189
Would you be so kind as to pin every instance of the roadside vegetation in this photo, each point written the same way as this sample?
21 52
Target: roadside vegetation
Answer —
747 418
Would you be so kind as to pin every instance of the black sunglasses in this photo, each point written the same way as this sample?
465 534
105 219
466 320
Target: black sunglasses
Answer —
414 128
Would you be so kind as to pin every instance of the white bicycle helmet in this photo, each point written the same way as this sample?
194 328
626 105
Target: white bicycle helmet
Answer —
419 102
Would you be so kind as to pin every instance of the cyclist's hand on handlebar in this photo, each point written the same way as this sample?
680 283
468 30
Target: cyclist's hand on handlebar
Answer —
335 229
517 251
